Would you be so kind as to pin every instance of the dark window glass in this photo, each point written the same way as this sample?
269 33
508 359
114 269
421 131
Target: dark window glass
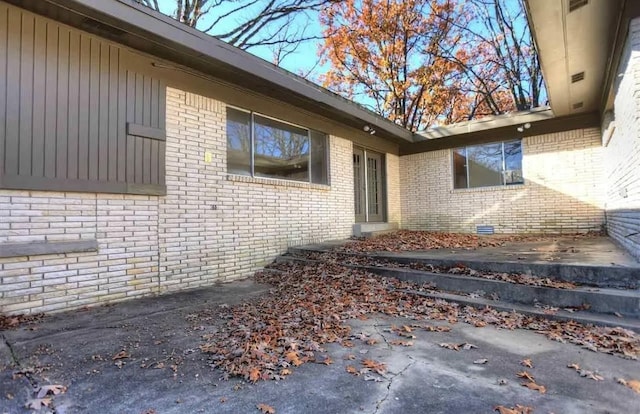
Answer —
319 164
460 168
513 163
280 150
488 165
485 165
238 142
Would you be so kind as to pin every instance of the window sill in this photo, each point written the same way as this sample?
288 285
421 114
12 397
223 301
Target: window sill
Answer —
47 247
488 189
276 182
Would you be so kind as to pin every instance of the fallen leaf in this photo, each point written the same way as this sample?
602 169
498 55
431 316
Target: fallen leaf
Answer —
481 361
527 363
266 409
574 366
467 347
536 387
223 399
401 343
518 409
453 347
37 404
349 357
254 374
120 355
53 389
378 367
526 375
634 385
371 341
352 370
293 358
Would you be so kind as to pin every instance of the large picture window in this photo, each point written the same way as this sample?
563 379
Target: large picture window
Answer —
265 147
488 165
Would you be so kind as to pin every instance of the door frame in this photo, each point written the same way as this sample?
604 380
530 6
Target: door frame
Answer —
383 187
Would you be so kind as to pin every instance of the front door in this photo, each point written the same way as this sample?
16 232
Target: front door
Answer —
368 184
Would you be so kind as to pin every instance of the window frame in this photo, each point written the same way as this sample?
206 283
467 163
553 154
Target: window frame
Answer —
252 141
502 171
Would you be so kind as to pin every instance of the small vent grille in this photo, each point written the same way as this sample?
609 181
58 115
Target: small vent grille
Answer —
577 77
578 105
484 230
576 4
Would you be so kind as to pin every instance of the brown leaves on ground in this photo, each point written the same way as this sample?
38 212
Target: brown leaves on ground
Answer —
266 409
54 389
525 375
374 365
634 385
310 305
526 363
518 409
8 322
121 355
459 269
586 373
408 240
536 387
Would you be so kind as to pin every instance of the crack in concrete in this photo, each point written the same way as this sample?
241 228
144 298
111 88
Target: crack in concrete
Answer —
35 385
384 338
390 383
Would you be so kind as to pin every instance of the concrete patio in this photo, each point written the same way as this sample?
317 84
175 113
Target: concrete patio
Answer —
165 372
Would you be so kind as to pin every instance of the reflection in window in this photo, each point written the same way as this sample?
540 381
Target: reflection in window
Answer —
280 150
265 147
238 142
488 165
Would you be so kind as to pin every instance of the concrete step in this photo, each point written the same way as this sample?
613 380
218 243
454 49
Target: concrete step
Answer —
368 230
603 276
602 301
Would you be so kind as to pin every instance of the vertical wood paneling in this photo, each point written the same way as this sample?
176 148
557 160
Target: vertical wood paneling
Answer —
39 85
139 111
51 99
13 93
131 114
83 108
3 81
122 122
74 105
63 103
65 100
112 174
94 109
103 119
26 94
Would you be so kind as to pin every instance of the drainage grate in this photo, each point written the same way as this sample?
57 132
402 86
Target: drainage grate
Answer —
576 4
577 77
484 229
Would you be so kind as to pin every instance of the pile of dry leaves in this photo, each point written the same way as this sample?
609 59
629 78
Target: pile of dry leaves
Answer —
310 305
459 269
413 240
13 322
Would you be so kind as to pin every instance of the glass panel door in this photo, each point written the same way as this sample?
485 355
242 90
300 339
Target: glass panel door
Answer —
368 182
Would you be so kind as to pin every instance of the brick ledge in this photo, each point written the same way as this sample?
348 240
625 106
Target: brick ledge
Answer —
276 182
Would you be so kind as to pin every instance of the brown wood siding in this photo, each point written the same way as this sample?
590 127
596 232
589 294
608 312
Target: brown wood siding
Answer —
66 98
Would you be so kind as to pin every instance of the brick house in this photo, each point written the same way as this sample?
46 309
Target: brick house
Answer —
139 156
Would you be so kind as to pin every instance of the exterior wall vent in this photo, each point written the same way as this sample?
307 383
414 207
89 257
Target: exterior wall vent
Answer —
576 4
484 230
578 105
577 77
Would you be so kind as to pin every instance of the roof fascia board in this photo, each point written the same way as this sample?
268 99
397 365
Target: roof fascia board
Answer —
540 127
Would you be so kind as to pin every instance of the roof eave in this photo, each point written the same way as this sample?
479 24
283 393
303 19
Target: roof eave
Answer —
136 26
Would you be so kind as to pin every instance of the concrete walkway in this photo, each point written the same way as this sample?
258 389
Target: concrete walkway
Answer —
166 373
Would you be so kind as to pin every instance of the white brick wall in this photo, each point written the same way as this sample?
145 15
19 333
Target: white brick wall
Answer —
210 227
562 191
216 227
622 151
